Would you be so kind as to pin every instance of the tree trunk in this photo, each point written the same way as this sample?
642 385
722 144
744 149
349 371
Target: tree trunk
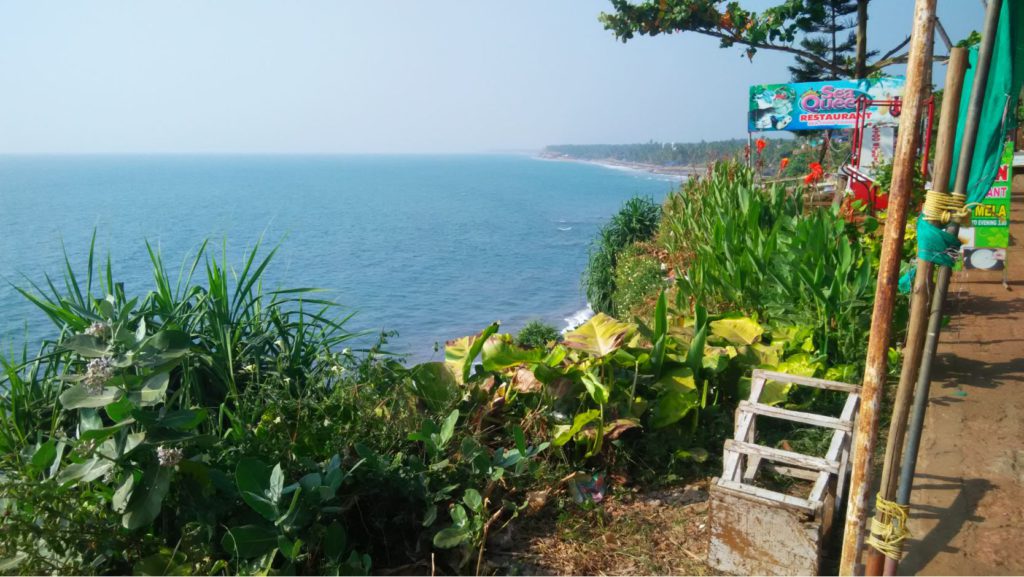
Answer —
860 70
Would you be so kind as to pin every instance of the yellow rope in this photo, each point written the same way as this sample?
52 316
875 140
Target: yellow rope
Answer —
889 528
944 207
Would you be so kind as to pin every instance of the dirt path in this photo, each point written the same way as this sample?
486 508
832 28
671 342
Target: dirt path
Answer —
967 508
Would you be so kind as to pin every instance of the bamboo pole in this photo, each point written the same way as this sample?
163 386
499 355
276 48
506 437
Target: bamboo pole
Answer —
920 300
970 137
866 433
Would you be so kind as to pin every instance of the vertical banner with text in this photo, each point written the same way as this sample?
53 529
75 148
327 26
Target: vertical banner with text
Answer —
985 241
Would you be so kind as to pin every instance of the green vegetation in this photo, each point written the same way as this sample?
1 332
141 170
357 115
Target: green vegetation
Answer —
791 26
696 154
636 221
211 426
537 334
638 279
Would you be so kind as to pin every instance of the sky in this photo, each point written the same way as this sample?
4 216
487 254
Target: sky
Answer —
402 76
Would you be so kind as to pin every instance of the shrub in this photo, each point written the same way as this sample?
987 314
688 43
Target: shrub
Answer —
638 279
537 334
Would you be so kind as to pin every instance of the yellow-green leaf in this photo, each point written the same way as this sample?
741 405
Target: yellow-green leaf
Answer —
599 336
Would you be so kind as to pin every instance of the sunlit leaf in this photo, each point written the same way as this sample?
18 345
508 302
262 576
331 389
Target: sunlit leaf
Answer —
599 336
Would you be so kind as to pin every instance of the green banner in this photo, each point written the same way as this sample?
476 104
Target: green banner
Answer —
988 236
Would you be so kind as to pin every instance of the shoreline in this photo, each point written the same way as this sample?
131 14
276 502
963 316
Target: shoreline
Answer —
679 172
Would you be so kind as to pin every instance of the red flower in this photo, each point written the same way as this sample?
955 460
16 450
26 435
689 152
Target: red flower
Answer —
760 145
783 164
815 175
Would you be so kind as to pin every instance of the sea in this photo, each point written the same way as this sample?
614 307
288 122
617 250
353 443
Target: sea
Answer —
432 247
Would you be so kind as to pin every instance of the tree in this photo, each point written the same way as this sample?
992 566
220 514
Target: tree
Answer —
776 28
824 38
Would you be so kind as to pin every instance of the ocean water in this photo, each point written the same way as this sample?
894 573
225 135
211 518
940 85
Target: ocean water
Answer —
433 247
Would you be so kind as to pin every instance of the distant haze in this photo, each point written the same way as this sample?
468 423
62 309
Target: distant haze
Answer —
324 76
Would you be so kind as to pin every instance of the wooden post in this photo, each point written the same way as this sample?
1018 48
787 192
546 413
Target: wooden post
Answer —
866 434
921 297
970 136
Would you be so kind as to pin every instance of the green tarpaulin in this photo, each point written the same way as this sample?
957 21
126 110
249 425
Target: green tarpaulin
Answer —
1005 76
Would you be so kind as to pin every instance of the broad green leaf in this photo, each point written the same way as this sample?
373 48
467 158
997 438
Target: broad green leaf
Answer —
679 396
249 541
44 456
459 516
121 410
562 436
184 419
436 384
555 356
147 498
335 541
800 364
595 388
290 549
737 331
500 352
170 344
473 500
450 537
119 502
84 472
459 354
599 336
448 427
153 391
86 346
260 486
81 397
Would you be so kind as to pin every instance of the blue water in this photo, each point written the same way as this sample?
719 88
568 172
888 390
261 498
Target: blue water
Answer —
434 247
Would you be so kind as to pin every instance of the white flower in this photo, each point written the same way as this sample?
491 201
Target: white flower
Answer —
98 372
277 420
98 330
169 457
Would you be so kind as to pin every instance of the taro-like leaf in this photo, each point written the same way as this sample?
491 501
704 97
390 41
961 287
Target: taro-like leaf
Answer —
737 331
436 384
597 390
459 354
564 434
500 352
524 381
599 336
679 396
616 428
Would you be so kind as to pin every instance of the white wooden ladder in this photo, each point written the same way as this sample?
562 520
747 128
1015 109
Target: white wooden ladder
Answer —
744 457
